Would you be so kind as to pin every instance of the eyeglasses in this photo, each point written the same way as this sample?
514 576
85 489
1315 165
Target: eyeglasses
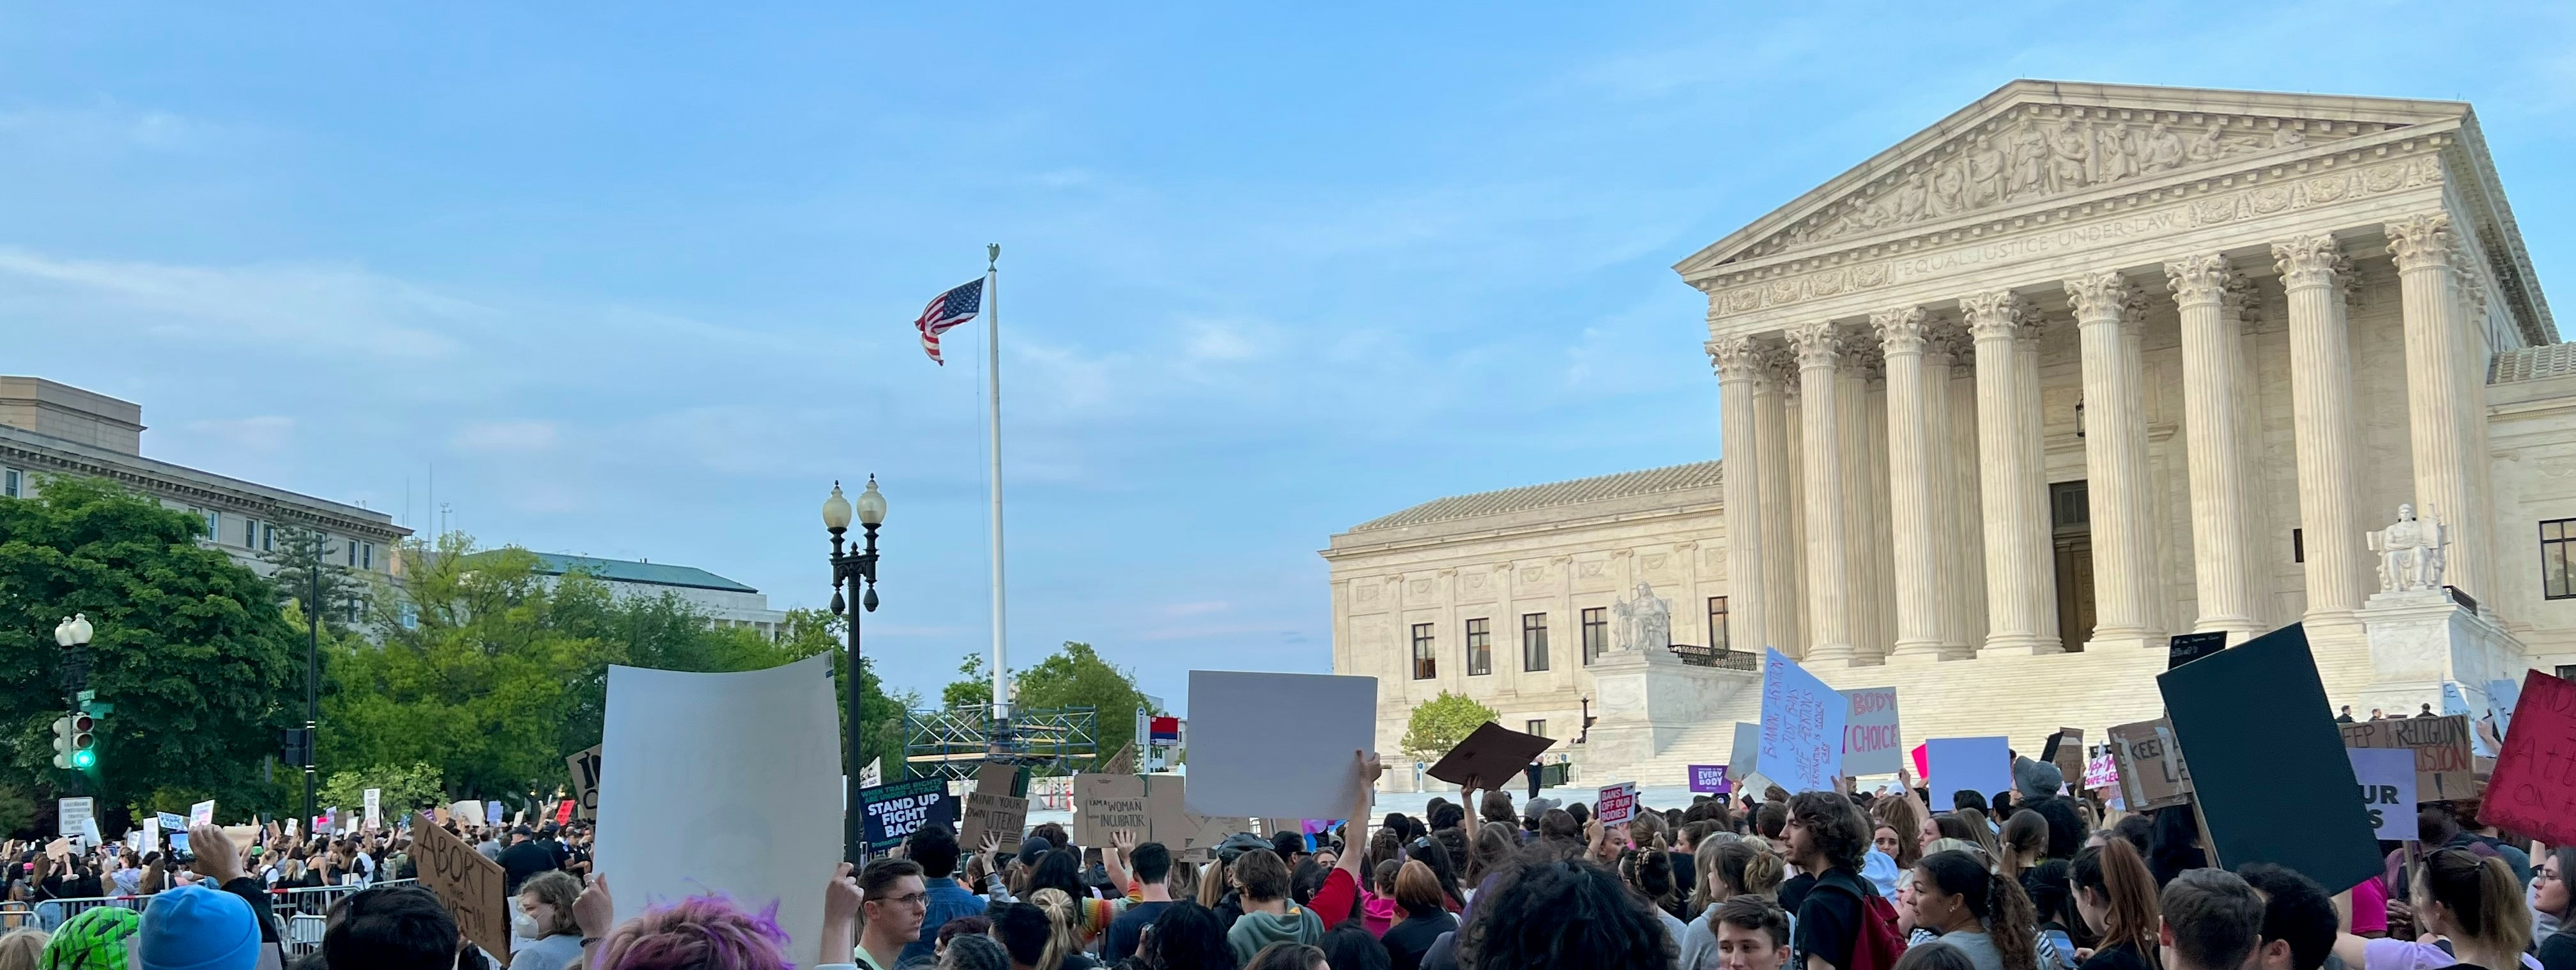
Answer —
908 899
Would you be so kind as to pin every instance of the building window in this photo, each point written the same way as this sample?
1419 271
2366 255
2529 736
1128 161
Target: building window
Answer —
267 537
408 616
1596 633
1717 623
1533 641
1535 727
367 555
1480 647
2298 546
12 481
1426 665
2567 671
2555 536
350 551
214 525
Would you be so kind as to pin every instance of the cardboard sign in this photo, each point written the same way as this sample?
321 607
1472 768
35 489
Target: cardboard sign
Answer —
1155 807
995 814
440 816
375 798
2444 768
202 813
2069 756
1710 780
584 766
1491 756
469 885
1243 761
1745 757
2533 790
1616 804
59 850
1802 726
896 811
2187 647
2149 766
1870 743
2268 768
69 813
1122 763
997 778
2387 777
1981 765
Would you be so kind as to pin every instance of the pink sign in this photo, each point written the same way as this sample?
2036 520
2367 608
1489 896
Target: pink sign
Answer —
1616 804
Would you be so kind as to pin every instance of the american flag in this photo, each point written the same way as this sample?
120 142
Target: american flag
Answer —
950 309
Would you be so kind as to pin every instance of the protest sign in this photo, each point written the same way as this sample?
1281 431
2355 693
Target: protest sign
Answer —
1492 755
2184 648
874 774
1745 757
1981 765
1922 755
1802 726
2067 752
2533 790
469 885
2387 777
1243 761
1155 807
439 816
997 778
688 812
59 850
69 813
2101 771
152 834
243 836
89 832
2149 766
1616 804
171 822
202 813
584 766
1870 742
2268 768
468 811
2444 768
492 814
1710 780
996 814
1122 763
894 812
375 798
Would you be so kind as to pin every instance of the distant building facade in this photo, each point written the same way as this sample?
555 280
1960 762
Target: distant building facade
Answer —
49 428
725 602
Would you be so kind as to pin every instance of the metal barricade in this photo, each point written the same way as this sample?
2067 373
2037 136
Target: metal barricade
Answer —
15 915
317 900
304 933
51 914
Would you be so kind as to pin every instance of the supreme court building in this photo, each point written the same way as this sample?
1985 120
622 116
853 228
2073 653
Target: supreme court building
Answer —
2077 368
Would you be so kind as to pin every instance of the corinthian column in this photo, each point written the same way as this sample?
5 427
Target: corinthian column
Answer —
1909 485
1747 589
2321 410
2437 403
1819 348
2213 363
1772 431
2116 478
2006 477
1940 472
1968 556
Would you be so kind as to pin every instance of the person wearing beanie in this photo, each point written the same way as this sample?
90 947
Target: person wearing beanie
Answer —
198 928
94 940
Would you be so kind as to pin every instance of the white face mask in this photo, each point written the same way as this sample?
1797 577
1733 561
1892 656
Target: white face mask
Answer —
522 925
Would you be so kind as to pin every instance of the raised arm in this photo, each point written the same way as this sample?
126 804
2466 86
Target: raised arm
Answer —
1466 798
1114 859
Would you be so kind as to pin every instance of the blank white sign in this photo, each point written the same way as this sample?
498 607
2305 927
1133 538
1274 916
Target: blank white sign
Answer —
1277 745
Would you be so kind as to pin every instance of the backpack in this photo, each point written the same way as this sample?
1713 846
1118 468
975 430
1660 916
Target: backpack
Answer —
1877 943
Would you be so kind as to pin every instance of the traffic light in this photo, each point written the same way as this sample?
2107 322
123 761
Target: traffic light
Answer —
295 748
84 741
63 743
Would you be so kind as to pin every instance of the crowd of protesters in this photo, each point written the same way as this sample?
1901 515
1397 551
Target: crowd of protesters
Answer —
2037 878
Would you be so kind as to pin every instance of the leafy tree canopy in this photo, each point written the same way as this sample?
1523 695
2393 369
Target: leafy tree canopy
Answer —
190 647
1076 676
1441 722
401 791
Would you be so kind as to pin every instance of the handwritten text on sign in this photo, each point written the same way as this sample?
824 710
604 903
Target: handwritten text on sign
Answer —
469 885
1802 726
2444 769
1870 742
2533 790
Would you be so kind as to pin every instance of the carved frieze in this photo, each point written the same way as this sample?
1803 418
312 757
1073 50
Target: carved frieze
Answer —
2152 213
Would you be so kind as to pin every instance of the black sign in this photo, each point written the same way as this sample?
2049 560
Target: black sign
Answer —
894 812
2267 763
2187 647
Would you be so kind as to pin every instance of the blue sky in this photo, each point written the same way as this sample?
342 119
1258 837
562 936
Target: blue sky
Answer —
636 282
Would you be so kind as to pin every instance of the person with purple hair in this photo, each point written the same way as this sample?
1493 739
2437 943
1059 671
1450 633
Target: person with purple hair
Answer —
711 933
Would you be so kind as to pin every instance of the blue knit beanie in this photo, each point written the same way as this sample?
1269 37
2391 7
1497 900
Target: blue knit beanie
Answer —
197 928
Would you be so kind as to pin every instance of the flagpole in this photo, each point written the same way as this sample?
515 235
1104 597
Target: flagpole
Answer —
993 363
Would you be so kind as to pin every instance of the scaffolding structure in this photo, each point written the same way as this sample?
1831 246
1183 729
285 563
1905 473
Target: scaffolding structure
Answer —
951 743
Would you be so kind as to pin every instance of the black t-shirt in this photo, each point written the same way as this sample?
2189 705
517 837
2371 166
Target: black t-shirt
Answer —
1407 942
523 861
1829 920
2558 951
2117 956
1684 872
1128 930
1794 892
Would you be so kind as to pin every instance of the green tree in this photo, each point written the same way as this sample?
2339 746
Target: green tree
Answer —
1440 723
412 788
300 556
1076 676
973 688
200 665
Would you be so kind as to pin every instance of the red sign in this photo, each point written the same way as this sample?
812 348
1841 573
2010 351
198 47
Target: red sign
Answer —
2533 790
563 813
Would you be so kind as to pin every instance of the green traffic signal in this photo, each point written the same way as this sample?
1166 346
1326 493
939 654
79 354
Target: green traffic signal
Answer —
84 760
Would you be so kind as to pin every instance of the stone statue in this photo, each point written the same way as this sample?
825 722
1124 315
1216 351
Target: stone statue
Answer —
1644 622
2070 155
1985 173
2410 552
2030 162
2164 148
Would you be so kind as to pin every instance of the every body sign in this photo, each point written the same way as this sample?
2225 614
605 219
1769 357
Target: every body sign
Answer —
896 811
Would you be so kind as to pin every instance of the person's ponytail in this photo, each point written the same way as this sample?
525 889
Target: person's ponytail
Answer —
2012 923
1763 874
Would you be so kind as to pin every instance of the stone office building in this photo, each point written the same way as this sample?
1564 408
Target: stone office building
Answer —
2075 369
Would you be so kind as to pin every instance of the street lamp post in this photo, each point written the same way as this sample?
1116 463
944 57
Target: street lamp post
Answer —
73 634
855 570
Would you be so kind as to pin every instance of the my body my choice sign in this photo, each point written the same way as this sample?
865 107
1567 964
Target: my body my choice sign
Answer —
894 812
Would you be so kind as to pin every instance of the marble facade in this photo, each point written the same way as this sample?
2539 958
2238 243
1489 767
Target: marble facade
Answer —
2075 369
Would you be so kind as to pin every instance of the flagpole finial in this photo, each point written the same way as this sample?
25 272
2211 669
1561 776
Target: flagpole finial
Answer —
992 253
